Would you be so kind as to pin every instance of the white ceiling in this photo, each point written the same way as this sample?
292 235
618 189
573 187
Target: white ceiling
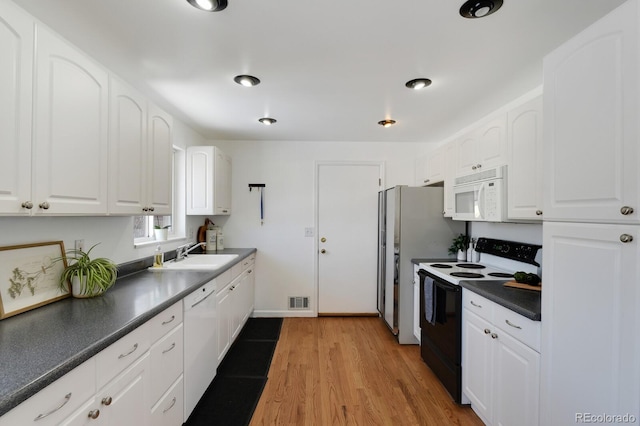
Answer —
330 70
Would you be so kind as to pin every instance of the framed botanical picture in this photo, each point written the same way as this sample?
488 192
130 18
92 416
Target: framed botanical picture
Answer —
29 276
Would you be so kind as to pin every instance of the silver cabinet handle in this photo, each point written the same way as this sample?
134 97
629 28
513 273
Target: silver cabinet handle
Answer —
94 414
487 331
67 397
128 353
475 304
539 212
173 402
107 400
151 209
479 166
173 345
494 336
626 210
145 209
173 317
513 325
27 205
474 167
626 238
44 206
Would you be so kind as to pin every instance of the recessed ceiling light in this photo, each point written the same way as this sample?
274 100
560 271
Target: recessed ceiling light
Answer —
418 83
209 5
246 80
479 8
387 123
268 121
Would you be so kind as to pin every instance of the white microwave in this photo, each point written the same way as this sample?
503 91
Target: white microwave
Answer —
481 196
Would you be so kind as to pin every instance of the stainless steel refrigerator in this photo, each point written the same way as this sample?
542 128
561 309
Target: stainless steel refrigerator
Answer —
411 225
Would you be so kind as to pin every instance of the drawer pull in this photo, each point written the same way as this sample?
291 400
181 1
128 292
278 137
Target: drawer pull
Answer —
173 317
513 325
67 397
475 304
107 400
173 345
487 331
93 414
173 402
128 353
494 336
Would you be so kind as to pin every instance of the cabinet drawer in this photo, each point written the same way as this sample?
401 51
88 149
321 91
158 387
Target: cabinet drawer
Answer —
169 409
115 358
523 329
477 304
58 400
166 362
162 323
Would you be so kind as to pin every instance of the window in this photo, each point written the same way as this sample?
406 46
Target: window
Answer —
143 226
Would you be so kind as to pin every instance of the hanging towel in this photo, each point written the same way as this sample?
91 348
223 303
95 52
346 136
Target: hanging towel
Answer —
429 299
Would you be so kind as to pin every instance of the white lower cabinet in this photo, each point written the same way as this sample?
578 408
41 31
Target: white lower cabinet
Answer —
500 371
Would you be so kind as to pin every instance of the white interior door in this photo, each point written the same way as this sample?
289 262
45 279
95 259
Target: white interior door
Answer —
347 237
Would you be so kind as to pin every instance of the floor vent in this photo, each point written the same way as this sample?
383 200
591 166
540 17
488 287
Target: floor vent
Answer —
298 302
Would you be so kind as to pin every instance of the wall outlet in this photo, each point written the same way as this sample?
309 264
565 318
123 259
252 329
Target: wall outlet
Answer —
308 232
190 233
79 245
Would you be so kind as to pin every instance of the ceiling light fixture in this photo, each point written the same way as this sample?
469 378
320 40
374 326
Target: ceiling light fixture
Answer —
479 8
209 5
418 83
268 121
246 80
387 123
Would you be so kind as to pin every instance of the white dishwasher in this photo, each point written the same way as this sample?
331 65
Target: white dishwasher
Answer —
200 344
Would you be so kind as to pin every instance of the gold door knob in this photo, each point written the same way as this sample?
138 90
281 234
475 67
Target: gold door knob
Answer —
323 240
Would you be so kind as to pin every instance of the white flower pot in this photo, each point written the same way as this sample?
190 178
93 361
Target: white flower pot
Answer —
78 288
161 234
462 255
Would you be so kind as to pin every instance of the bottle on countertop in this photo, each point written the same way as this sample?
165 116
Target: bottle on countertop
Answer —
470 253
220 240
158 258
212 238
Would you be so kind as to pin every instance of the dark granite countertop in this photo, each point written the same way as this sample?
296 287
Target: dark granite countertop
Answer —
39 346
524 302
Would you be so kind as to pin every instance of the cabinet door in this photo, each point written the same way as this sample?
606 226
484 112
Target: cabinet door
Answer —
516 382
127 150
591 135
524 200
492 144
70 143
435 167
16 45
223 299
222 183
451 152
125 400
477 364
159 162
238 287
467 158
590 317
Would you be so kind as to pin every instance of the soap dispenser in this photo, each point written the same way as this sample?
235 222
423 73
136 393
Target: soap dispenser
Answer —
158 258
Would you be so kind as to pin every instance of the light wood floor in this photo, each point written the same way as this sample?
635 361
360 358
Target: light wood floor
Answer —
351 371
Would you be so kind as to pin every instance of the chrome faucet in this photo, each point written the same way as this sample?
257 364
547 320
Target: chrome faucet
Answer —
183 250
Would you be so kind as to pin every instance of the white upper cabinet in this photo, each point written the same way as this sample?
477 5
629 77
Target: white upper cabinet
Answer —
140 150
432 169
591 112
16 45
524 183
208 181
483 148
70 140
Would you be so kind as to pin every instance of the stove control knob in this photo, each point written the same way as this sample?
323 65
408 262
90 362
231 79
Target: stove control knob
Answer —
626 238
626 210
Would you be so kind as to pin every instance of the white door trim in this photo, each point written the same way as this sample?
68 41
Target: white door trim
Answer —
316 219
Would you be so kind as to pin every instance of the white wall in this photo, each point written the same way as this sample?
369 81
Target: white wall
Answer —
115 234
285 261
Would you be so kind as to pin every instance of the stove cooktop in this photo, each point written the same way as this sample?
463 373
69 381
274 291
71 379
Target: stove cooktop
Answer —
454 272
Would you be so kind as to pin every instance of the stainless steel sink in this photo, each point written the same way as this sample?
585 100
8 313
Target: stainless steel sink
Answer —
200 262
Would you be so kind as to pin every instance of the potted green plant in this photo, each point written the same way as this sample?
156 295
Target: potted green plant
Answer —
459 247
161 232
87 277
